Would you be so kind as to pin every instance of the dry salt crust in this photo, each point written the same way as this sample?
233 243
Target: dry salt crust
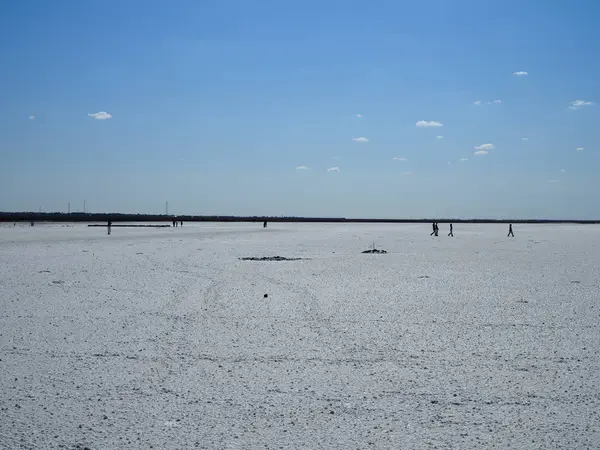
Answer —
162 338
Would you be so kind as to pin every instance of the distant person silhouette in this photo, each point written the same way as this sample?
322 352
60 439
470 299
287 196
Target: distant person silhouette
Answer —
265 224
181 223
510 231
109 225
451 233
433 232
437 229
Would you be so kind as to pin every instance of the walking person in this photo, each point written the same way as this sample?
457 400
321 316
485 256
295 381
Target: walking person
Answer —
109 226
433 232
265 224
181 223
510 231
451 233
437 229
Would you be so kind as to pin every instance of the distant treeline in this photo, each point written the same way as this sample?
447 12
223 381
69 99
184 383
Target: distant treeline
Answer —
118 217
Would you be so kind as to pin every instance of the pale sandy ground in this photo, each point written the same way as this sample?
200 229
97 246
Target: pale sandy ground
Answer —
162 338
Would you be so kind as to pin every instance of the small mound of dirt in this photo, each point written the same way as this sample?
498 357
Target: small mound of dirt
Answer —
269 258
375 250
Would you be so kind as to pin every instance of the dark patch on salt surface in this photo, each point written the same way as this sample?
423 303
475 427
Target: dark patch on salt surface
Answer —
270 258
575 281
375 251
44 271
58 282
424 276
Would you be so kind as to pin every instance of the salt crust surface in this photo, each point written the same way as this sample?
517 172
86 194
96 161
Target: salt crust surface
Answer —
163 337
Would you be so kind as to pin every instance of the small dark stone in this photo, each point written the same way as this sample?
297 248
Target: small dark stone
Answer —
105 417
265 296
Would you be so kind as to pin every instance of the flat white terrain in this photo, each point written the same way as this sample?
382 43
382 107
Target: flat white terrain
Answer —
163 338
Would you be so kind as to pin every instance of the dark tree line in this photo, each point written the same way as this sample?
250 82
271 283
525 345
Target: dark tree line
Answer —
119 217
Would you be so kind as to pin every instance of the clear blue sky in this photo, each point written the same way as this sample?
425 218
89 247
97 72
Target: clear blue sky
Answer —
214 104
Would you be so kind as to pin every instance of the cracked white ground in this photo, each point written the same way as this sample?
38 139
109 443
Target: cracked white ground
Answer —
163 338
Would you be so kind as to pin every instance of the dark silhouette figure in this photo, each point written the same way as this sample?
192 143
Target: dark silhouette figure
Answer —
510 231
265 224
181 223
109 226
451 233
433 232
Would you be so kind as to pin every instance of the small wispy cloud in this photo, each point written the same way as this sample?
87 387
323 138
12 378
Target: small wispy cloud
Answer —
498 102
524 138
449 163
333 169
360 139
480 152
31 117
399 158
430 123
580 149
302 167
562 170
359 116
576 104
477 102
439 137
102 115
521 73
463 159
485 147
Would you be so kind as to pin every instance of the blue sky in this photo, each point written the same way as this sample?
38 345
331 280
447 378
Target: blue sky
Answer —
215 104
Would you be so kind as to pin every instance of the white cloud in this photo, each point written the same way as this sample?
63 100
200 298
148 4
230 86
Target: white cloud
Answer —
431 123
562 170
439 137
399 158
520 73
333 169
576 104
360 139
480 152
580 149
302 167
485 147
359 116
477 102
498 102
524 139
449 163
464 159
31 117
102 115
